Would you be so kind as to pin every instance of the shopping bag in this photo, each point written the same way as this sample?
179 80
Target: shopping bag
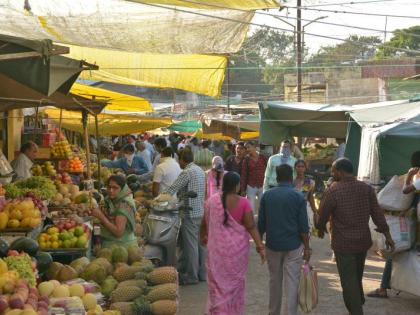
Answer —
392 198
308 289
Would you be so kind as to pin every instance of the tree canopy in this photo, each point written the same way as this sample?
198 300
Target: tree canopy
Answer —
408 38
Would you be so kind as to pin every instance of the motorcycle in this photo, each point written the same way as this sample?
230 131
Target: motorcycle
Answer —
161 229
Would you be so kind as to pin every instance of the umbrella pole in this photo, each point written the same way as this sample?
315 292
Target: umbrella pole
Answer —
98 147
60 122
86 137
36 123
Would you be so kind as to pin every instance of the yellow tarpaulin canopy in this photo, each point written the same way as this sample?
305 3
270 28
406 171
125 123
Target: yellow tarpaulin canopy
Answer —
127 26
116 101
109 125
202 74
217 4
220 136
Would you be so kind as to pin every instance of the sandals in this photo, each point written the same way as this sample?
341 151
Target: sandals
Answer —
378 294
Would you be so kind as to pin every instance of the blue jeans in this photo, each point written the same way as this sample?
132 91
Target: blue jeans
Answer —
386 276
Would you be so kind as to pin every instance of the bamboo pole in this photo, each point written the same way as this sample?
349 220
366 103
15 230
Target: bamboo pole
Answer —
98 151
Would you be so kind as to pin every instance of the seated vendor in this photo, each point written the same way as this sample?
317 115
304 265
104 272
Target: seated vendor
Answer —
129 163
23 163
117 218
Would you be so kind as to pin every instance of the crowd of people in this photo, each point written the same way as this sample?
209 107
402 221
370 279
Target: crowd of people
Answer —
242 193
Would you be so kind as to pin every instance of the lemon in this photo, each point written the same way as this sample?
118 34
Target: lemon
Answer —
54 238
42 245
54 244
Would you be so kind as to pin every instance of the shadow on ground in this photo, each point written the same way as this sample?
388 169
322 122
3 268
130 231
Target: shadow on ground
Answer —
193 298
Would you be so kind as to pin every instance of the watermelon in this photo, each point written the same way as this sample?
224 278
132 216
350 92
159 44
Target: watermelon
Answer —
25 244
44 260
4 247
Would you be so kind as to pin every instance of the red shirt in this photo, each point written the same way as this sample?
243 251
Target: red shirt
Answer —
253 172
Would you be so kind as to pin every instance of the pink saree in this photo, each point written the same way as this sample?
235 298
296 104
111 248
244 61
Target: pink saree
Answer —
227 261
212 184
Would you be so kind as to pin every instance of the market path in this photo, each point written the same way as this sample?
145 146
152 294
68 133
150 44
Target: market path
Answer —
193 298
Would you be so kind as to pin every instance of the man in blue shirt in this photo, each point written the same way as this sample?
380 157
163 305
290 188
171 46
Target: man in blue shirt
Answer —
130 163
284 220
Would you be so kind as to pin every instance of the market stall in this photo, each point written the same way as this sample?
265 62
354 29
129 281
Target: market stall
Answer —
382 138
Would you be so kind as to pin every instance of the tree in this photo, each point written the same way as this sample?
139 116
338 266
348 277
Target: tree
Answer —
408 38
262 52
354 49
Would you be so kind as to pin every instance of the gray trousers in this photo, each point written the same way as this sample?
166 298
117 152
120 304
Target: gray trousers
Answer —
192 261
284 268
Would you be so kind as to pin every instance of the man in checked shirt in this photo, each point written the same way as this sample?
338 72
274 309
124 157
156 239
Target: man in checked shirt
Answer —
350 203
192 178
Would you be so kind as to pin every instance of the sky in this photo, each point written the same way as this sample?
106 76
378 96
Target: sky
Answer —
394 7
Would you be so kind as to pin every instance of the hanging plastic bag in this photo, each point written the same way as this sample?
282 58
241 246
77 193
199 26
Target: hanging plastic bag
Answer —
392 198
308 289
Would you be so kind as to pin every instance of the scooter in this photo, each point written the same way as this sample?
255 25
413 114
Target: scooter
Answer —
161 230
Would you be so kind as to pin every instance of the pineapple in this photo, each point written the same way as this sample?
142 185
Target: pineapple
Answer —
168 291
126 294
125 308
134 282
162 307
163 275
123 273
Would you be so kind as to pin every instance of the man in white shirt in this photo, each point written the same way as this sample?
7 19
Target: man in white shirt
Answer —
341 148
23 163
166 172
144 153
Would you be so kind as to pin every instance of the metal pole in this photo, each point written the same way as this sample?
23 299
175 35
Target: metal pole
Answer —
386 24
299 50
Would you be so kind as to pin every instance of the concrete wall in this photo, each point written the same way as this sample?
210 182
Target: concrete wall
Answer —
355 91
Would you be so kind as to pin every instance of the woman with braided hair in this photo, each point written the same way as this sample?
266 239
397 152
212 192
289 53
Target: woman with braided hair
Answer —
227 226
214 177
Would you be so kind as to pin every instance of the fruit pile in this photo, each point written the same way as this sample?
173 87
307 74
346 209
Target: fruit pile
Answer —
41 187
71 295
63 178
20 214
45 170
17 280
74 165
67 234
132 283
61 150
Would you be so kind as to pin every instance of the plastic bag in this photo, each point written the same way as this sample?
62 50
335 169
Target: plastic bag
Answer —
308 289
402 230
406 272
392 198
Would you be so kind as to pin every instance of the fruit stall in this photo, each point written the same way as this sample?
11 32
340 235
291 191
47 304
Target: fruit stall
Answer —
55 269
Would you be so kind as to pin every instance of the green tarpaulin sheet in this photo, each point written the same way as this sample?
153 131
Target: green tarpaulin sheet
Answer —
45 74
398 136
281 120
189 126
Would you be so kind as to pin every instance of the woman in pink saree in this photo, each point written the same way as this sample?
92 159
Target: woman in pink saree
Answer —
227 226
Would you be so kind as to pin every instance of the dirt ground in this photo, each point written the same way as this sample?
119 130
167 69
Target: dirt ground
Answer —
193 298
